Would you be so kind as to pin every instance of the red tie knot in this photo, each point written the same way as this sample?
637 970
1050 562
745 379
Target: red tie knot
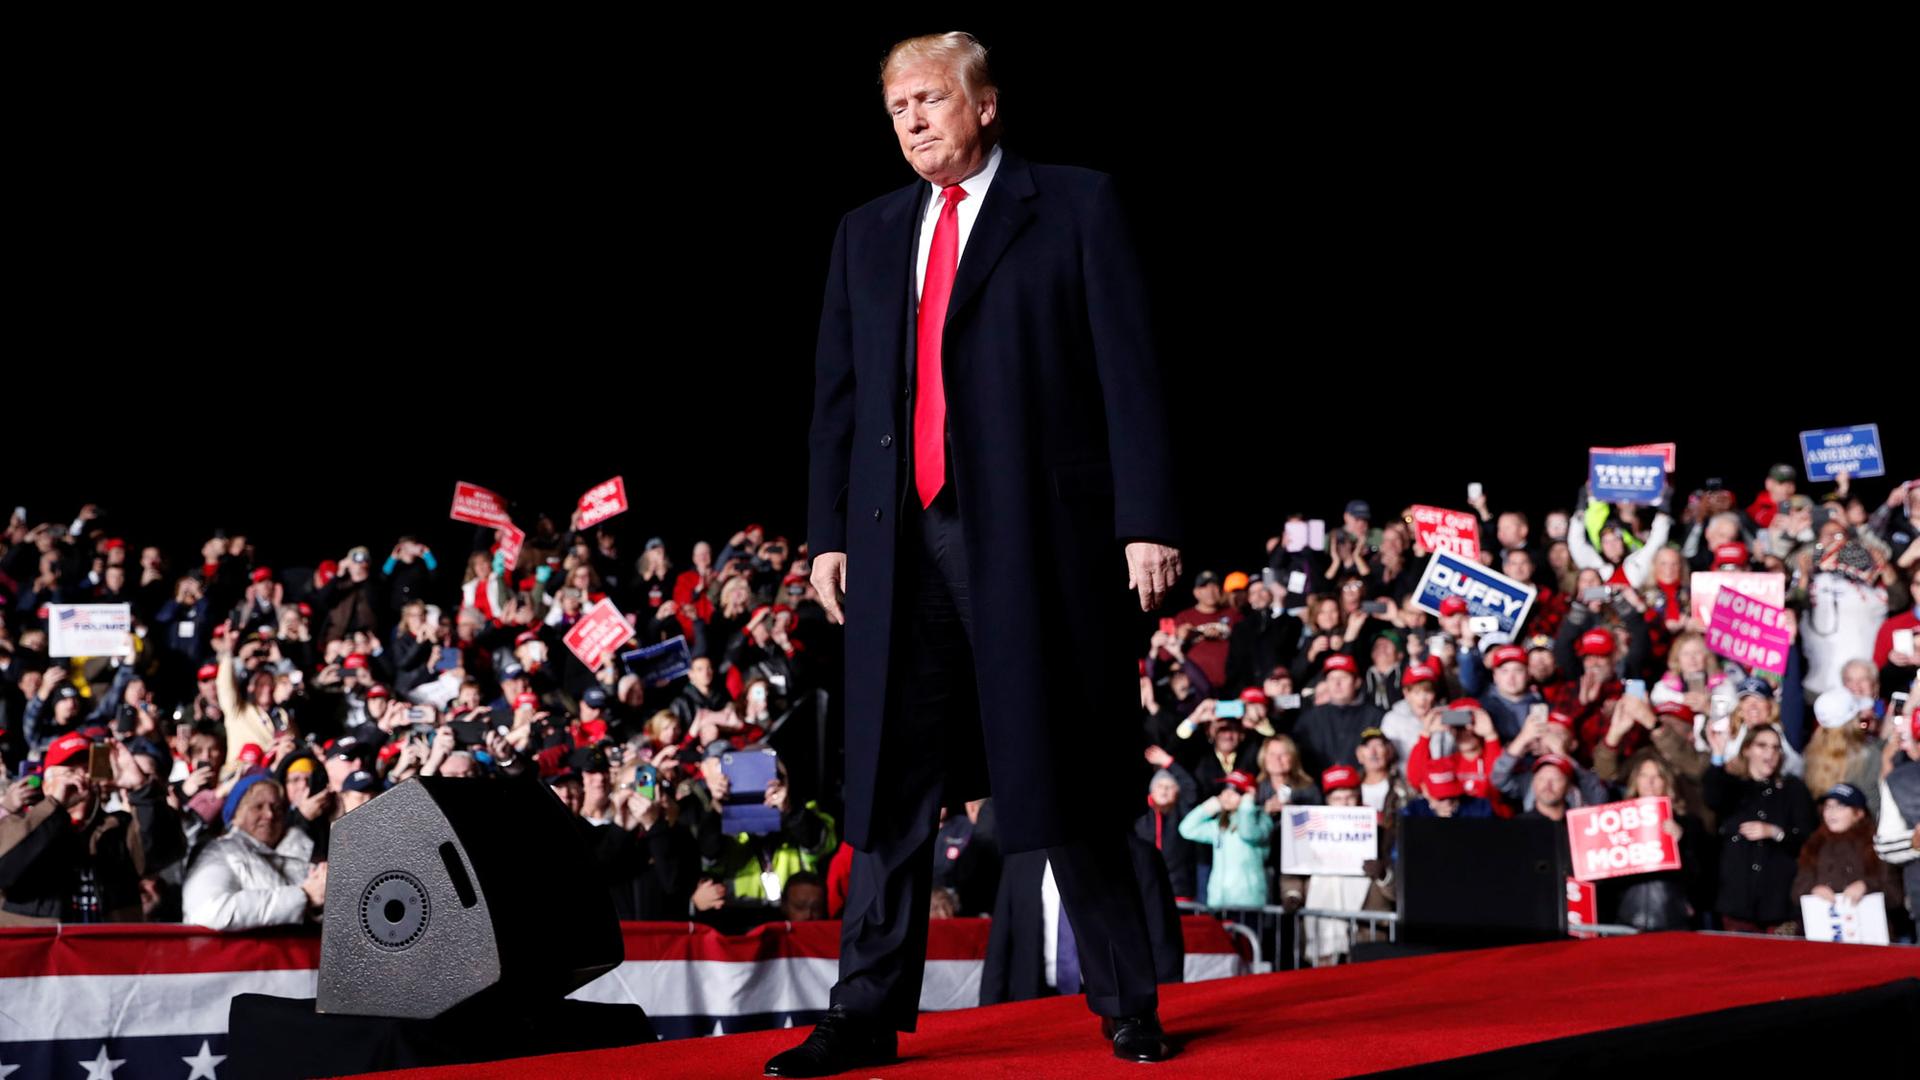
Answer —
953 193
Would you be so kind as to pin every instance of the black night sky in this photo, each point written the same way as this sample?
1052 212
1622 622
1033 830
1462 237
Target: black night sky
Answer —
301 296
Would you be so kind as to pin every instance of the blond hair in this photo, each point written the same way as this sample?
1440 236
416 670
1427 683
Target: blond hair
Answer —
956 50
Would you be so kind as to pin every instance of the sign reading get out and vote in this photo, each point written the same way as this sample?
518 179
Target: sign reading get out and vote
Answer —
1451 531
1752 633
1622 838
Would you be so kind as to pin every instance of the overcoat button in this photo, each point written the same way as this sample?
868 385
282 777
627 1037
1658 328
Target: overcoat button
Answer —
876 513
886 440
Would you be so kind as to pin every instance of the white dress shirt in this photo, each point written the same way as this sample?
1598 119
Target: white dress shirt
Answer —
976 188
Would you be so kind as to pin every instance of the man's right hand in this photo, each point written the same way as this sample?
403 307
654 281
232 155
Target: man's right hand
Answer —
830 583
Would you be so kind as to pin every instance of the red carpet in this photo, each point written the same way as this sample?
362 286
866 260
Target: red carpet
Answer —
1325 1022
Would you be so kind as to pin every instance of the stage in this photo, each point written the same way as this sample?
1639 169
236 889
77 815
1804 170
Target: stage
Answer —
1584 1007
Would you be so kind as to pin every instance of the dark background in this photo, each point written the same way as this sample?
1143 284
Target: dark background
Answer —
299 288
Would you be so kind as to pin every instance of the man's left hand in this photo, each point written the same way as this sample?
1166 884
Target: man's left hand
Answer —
1151 570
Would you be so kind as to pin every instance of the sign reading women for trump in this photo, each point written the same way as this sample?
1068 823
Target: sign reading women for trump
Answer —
1622 838
1749 632
1487 592
90 630
1618 477
1328 839
1852 450
1767 586
1451 531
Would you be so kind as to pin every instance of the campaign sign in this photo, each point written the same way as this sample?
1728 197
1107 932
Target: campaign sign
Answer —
1622 838
1486 591
1852 450
603 501
1328 839
90 630
1626 478
1749 632
1840 919
476 505
658 665
1451 531
1583 906
600 631
1768 588
1664 449
512 539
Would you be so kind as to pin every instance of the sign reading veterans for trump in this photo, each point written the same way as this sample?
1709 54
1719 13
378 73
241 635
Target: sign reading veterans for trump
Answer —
602 501
1767 587
1852 450
1622 838
600 631
1486 591
1619 477
1749 632
476 505
1451 531
90 630
1328 839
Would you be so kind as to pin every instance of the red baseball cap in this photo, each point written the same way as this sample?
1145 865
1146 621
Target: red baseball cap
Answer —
1677 709
1453 605
1509 654
262 574
354 661
66 748
1342 662
526 701
1595 643
1253 695
1240 782
525 636
1733 552
1558 717
1338 777
209 671
1444 784
1419 673
251 753
1465 703
377 691
1554 761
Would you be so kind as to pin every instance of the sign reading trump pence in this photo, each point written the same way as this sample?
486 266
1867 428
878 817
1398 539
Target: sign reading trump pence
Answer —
1622 838
600 631
90 630
1328 839
1486 591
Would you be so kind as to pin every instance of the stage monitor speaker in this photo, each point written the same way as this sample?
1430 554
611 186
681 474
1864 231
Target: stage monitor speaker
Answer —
443 892
1482 881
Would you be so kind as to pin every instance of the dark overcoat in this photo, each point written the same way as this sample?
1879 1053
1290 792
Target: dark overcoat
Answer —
1060 455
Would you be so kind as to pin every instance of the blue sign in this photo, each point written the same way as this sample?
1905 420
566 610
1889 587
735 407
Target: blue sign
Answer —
658 665
1487 592
1626 478
1852 450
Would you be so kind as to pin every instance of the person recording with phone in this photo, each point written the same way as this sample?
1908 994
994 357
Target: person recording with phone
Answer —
64 857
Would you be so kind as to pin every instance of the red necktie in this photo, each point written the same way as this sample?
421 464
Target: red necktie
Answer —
930 400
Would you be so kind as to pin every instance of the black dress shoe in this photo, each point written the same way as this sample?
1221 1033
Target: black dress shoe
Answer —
1136 1038
840 1041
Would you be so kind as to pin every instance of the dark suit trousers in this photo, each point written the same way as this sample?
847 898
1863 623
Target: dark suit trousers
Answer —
934 718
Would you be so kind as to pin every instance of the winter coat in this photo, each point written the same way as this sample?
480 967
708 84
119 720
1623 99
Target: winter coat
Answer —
1239 877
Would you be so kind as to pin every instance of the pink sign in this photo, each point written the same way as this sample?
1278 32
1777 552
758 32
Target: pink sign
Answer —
1760 585
1622 838
1450 531
599 632
476 505
511 539
603 501
1664 449
1749 632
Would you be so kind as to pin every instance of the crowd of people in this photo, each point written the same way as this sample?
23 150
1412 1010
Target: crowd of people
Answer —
195 777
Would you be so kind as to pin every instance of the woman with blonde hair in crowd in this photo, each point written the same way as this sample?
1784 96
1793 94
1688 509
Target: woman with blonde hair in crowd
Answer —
1756 708
1841 751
